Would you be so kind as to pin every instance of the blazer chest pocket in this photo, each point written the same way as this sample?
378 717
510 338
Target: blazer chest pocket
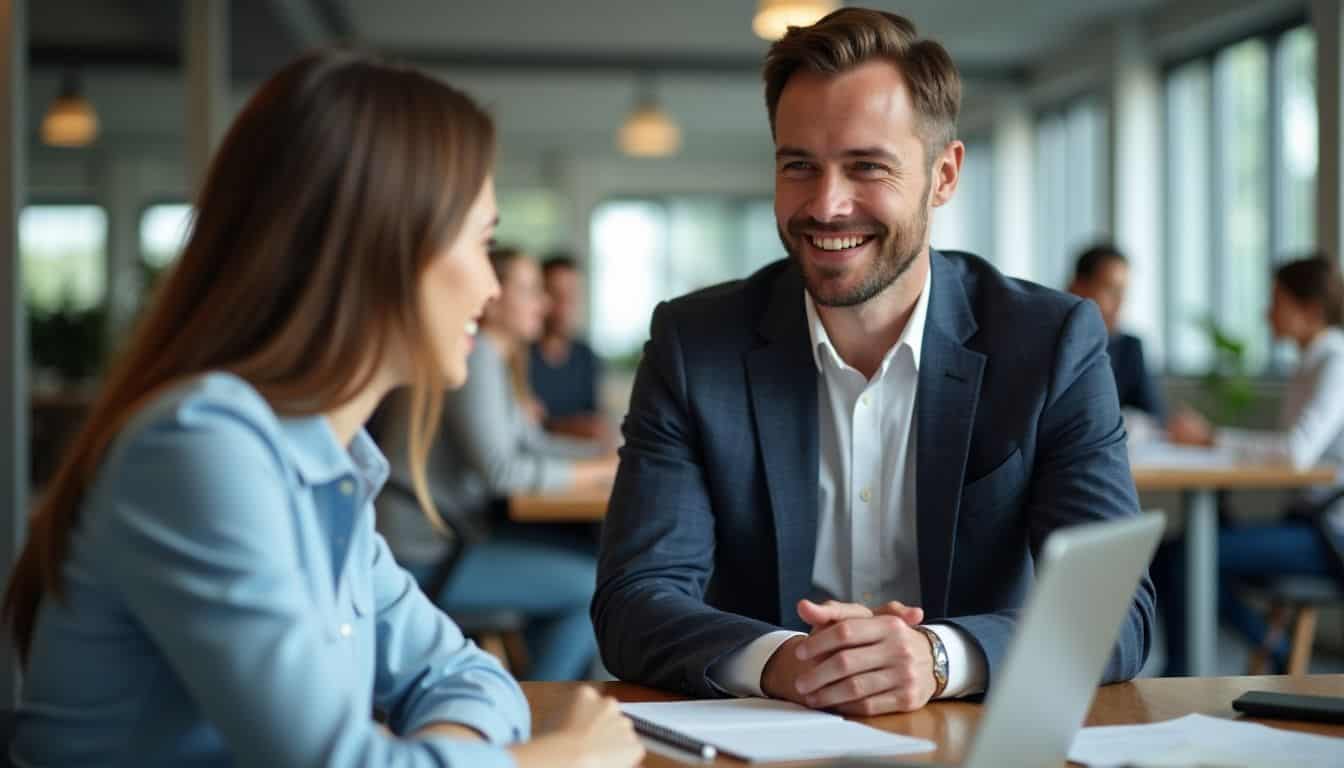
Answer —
999 486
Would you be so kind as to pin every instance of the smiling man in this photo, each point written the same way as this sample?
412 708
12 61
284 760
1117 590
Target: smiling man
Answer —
838 471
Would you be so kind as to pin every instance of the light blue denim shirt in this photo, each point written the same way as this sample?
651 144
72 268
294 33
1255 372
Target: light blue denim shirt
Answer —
227 602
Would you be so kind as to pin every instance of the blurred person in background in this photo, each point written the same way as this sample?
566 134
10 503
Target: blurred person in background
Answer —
1307 309
564 373
490 448
1102 275
202 584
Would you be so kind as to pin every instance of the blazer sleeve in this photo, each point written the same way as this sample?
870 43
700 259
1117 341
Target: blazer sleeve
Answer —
653 625
1081 475
1147 393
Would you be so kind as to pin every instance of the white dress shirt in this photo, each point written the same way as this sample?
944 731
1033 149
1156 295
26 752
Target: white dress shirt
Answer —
867 547
1312 415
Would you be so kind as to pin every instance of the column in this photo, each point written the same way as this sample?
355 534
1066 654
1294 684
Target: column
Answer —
205 41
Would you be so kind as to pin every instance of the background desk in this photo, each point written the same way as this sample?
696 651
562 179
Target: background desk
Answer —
951 724
1199 504
1199 488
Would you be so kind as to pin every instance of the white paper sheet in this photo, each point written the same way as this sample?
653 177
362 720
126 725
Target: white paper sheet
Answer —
1204 741
764 730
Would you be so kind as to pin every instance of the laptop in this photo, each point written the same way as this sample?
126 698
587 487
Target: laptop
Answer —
1086 578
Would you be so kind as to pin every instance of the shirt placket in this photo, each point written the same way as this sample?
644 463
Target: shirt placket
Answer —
865 496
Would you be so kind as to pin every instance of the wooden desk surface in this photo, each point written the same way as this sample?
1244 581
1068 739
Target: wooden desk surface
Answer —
590 504
951 725
1251 476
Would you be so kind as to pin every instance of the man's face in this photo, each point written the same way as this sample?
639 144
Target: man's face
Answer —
1106 287
565 290
852 181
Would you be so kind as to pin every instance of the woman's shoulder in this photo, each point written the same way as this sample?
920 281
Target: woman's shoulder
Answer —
216 413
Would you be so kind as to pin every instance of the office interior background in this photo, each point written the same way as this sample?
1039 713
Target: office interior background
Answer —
1201 136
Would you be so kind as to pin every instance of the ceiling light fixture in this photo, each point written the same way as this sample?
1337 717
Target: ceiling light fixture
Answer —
774 17
649 131
71 120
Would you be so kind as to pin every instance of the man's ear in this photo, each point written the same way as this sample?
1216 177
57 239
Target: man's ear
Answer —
947 172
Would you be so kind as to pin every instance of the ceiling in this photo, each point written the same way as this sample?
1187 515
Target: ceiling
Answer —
558 74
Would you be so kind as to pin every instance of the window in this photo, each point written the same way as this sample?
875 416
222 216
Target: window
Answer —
1295 75
163 233
1241 173
1241 179
63 253
648 250
1189 257
531 219
966 223
1070 188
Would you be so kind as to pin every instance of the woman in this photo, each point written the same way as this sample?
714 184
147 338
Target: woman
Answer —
1307 308
202 584
493 446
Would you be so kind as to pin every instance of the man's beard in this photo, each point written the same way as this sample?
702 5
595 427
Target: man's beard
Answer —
896 250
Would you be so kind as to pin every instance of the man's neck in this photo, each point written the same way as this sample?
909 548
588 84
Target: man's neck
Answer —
862 335
555 348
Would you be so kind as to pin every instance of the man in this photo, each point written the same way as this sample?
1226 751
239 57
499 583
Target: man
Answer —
1102 275
563 371
866 442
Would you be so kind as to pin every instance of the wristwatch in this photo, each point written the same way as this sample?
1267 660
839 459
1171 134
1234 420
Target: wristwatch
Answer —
939 660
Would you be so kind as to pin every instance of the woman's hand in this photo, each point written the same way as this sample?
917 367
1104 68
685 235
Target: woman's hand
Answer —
591 734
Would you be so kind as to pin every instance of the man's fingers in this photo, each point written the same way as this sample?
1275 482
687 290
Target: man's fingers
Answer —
831 611
894 700
848 634
854 688
838 667
910 614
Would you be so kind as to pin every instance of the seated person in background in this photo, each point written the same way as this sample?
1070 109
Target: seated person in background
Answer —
564 373
1102 275
202 584
1307 308
869 441
488 449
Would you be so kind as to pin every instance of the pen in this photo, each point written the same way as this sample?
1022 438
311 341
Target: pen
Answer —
679 740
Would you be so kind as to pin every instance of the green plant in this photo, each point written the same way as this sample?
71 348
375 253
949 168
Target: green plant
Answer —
67 340
1227 385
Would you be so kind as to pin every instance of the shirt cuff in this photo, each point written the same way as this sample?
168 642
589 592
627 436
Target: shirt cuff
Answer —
965 662
486 719
455 752
739 673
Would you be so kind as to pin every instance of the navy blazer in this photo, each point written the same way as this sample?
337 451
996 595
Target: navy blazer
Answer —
711 533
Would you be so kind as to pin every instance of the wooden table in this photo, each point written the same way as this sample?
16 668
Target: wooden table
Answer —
1199 488
951 724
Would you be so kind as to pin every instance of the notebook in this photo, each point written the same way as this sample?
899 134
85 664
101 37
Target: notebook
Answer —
765 730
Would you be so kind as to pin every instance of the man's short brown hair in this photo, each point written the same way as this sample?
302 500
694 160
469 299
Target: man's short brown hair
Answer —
849 37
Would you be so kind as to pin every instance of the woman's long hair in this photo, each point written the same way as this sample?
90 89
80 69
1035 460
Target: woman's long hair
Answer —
332 191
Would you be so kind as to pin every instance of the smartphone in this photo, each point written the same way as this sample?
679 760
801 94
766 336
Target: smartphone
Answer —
1291 706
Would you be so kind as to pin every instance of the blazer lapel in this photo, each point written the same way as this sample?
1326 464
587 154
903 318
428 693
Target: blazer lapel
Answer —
949 390
782 375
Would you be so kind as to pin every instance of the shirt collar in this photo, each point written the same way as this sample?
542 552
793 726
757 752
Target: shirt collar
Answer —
1324 344
912 335
320 459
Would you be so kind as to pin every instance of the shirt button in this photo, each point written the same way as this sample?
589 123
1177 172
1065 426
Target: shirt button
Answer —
866 495
347 488
865 399
346 630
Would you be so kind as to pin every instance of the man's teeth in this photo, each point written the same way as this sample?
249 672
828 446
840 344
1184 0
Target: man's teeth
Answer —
837 243
472 327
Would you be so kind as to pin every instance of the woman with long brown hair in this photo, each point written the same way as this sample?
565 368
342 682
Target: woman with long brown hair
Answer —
202 583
